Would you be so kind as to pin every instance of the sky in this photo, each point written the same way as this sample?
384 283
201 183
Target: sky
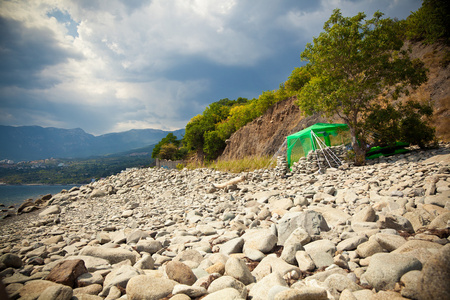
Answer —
115 65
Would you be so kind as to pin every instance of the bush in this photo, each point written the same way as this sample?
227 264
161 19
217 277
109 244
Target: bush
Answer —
405 123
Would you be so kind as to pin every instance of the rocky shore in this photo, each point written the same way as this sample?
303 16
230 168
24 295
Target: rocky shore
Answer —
380 231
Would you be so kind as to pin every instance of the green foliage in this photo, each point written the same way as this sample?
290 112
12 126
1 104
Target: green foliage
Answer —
414 128
352 62
169 139
207 132
214 144
298 78
168 151
404 123
169 148
430 22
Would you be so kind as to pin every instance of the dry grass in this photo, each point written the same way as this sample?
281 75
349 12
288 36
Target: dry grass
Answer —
246 164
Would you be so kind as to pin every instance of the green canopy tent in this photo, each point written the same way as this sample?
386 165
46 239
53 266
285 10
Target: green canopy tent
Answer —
309 139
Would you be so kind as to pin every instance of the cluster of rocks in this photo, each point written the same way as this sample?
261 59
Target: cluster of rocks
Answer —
379 231
320 160
282 167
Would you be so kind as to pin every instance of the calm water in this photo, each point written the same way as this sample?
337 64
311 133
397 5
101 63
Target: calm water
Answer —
16 194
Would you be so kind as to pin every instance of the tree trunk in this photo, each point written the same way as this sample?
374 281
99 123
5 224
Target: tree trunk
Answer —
359 148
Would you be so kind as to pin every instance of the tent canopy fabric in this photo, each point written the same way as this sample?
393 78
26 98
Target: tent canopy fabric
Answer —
301 143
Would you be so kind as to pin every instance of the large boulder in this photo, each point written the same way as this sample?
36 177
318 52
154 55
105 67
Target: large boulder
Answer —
180 272
434 280
118 277
313 222
385 269
237 268
66 272
11 260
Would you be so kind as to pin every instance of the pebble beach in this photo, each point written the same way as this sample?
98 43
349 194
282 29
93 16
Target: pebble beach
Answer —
379 231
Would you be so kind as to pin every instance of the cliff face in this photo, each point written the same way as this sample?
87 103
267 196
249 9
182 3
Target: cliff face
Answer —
265 135
437 89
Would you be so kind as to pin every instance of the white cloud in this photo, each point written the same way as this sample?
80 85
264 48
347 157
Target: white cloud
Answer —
133 64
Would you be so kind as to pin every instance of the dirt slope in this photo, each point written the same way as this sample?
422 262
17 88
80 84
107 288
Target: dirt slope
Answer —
265 135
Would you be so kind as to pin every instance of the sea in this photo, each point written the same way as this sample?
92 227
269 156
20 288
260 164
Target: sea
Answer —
17 194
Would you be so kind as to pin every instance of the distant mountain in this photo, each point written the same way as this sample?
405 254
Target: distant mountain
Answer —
24 143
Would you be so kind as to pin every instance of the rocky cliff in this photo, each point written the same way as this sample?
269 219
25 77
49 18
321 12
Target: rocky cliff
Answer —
265 135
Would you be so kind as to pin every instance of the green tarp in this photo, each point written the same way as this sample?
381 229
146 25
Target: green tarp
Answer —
301 143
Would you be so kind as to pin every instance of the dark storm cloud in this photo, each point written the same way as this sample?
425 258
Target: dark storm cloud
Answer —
26 51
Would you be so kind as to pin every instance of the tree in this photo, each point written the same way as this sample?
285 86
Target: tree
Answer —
169 139
430 22
353 62
297 80
402 122
168 151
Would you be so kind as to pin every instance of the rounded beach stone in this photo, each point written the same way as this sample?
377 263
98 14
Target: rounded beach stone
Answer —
305 293
145 263
385 269
410 282
32 289
351 243
218 267
149 246
51 210
369 248
112 255
191 291
56 292
225 282
237 268
434 282
181 273
225 294
190 255
261 240
390 242
11 260
261 289
180 297
232 246
304 261
118 277
149 288
341 282
93 289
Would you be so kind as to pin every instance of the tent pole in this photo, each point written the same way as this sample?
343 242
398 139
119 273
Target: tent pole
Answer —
333 155
319 143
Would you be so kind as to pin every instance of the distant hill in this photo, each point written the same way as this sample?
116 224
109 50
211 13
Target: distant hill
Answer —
25 143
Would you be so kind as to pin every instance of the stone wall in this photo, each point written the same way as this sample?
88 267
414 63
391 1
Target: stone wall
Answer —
318 160
167 164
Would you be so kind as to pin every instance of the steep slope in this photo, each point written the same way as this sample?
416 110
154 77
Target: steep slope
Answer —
265 135
436 58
